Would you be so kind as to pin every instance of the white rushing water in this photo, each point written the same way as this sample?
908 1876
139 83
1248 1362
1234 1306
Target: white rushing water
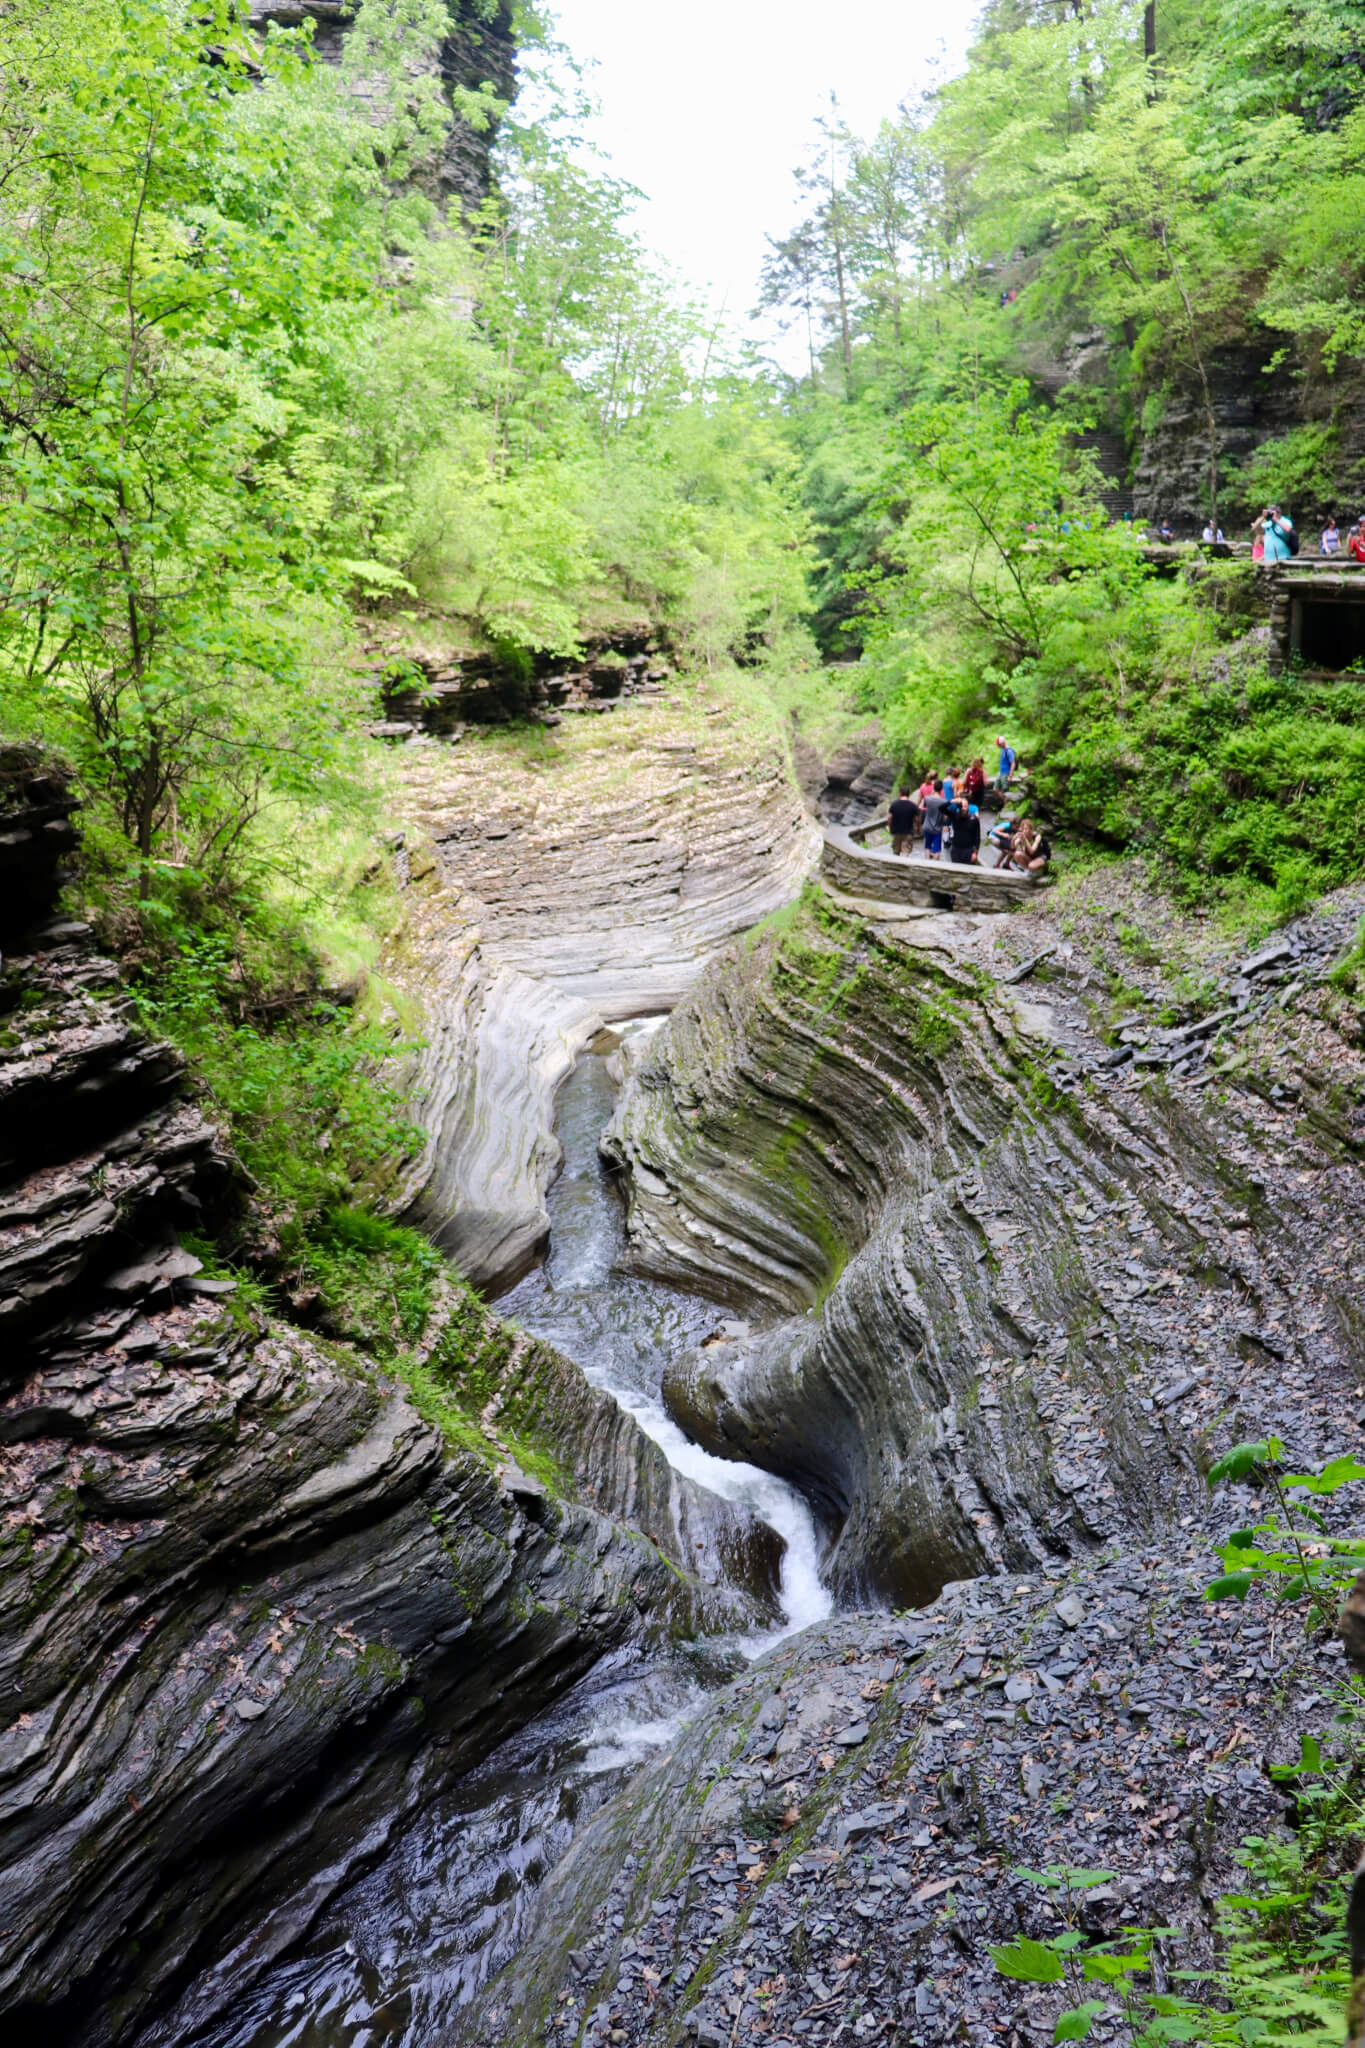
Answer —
623 1331
804 1599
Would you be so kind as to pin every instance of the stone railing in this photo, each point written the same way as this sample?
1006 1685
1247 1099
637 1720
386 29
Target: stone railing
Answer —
847 865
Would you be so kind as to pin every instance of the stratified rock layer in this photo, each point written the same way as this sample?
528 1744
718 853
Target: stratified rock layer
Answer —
244 1582
836 1842
1023 1311
547 896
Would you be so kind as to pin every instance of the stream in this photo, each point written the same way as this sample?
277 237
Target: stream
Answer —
395 1955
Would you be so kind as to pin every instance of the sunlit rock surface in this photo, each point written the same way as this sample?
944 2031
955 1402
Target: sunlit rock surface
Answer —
549 889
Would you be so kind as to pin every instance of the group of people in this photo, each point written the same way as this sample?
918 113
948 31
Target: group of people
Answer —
945 813
1331 542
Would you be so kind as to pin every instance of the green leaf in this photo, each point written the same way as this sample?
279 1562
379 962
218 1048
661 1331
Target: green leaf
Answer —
1232 1586
1333 1476
1030 1962
1075 2025
1241 1461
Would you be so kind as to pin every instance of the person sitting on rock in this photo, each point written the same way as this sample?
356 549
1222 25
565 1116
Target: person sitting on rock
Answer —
967 835
1330 543
934 806
1021 845
1355 541
904 819
999 836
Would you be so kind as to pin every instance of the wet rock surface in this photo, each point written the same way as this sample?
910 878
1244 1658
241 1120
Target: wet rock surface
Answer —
836 1840
247 1591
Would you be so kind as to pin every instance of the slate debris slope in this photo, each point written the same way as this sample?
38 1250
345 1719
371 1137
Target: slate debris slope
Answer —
830 1850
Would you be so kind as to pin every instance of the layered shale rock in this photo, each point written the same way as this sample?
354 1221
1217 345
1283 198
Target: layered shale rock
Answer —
1022 1312
838 1839
494 1046
247 1587
546 896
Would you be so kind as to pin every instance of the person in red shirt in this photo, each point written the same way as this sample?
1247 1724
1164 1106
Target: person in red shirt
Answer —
1355 542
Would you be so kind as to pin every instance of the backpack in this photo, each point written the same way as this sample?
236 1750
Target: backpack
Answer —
1291 540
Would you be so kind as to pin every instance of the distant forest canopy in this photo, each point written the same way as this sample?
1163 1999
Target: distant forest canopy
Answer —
284 381
1159 206
259 381
1114 266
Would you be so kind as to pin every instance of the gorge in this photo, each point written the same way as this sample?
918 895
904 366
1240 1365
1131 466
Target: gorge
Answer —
993 1303
628 1419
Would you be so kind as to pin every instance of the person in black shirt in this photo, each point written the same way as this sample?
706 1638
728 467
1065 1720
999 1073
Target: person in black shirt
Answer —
966 833
904 821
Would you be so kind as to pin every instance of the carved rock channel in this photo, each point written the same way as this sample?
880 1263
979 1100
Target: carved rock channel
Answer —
243 1582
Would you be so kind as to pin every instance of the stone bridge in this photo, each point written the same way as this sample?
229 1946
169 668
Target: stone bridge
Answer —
850 866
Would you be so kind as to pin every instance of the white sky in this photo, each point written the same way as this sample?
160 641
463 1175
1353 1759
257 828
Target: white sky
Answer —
708 107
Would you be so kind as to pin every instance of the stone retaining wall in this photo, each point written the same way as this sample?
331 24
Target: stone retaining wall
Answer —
930 884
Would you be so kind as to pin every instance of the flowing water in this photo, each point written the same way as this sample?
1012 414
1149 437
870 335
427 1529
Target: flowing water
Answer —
400 1950
623 1331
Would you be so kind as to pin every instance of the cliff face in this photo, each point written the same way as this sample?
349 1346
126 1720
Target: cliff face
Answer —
244 1583
1022 1303
547 893
478 52
1254 405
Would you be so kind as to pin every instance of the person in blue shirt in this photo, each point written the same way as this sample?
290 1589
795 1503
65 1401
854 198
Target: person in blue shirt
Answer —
1331 536
1008 762
1278 527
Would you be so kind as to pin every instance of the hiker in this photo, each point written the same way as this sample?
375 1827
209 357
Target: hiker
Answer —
924 792
967 835
974 781
1009 760
1039 854
1165 532
934 807
904 819
1258 539
999 836
1279 534
1355 541
1330 544
949 785
1212 533
1019 851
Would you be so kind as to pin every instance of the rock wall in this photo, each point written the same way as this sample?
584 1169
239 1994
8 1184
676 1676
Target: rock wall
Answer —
249 1594
838 1839
545 898
479 50
1021 1304
1252 406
